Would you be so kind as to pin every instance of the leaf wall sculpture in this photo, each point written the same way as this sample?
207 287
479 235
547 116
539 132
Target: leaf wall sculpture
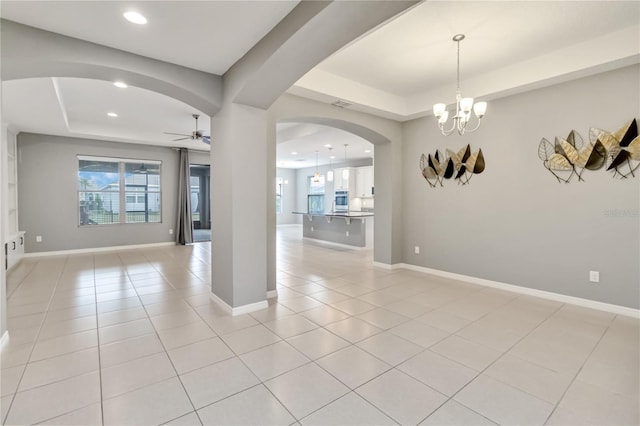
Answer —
618 151
461 166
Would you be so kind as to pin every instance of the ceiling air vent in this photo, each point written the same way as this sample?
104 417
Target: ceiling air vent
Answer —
341 104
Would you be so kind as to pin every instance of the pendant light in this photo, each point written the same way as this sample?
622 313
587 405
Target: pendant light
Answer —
330 172
463 107
316 175
345 171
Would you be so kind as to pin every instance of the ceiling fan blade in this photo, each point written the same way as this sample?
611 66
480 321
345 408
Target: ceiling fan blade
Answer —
181 139
177 134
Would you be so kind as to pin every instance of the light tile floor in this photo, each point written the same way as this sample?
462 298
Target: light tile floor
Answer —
130 337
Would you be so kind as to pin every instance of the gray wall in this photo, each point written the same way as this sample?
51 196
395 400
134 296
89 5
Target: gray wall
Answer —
515 223
289 191
48 193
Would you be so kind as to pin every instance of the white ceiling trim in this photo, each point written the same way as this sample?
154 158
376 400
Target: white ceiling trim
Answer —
610 51
61 104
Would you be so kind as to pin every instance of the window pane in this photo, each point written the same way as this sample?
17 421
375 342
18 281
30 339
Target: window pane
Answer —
99 208
98 175
142 186
316 187
143 207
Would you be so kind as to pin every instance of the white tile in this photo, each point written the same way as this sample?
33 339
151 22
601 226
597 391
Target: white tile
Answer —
290 326
351 409
419 333
320 389
541 382
254 406
49 401
59 368
455 414
250 338
390 348
354 306
443 320
106 319
601 405
154 404
401 397
86 416
407 308
190 419
127 330
64 344
174 319
353 329
379 298
61 328
274 311
353 366
383 318
228 324
503 404
200 354
300 304
141 372
9 379
438 372
273 360
217 381
465 352
324 315
130 349
185 335
317 343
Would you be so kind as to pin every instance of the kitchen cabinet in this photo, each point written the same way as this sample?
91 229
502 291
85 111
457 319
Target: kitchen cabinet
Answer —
364 182
344 179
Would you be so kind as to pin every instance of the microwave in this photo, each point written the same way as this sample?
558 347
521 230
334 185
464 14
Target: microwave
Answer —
342 201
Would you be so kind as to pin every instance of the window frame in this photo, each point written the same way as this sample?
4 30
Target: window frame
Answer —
122 191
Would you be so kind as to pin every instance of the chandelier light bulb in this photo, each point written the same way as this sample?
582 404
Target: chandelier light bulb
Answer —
464 106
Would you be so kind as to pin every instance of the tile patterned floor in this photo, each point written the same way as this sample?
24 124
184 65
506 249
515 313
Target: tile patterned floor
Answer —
130 337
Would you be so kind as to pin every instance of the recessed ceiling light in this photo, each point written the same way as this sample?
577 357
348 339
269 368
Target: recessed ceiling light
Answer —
120 84
367 151
135 17
112 114
328 145
294 153
332 157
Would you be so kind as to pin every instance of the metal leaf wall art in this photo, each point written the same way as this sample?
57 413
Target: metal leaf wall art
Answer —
619 152
459 165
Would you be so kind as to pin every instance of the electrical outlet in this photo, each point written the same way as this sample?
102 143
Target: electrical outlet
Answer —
170 231
38 238
347 233
594 276
416 249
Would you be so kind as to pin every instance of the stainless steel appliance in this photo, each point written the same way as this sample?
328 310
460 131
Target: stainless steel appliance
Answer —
342 201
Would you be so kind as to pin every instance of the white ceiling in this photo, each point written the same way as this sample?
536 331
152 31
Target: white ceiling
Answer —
396 71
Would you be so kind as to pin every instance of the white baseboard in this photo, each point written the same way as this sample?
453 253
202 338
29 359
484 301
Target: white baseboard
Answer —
563 298
238 310
289 225
98 249
388 266
272 294
5 339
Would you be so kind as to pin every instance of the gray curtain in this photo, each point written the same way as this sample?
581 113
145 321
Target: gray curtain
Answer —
184 228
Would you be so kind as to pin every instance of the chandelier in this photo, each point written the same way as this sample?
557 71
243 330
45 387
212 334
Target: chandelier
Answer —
463 106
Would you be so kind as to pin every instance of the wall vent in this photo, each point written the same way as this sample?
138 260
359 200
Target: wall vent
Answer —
341 104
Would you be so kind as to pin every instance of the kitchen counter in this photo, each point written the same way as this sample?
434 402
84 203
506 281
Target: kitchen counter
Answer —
350 231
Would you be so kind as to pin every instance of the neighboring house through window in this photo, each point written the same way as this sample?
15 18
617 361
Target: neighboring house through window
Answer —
118 190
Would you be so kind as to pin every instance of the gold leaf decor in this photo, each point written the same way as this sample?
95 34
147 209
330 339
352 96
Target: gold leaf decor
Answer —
460 166
618 151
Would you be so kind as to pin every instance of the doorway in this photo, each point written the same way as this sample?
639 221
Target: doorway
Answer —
200 176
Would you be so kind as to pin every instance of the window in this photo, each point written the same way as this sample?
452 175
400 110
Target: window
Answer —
113 190
315 199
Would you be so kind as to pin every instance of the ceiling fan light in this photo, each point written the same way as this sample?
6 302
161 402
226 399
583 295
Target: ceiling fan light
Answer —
480 109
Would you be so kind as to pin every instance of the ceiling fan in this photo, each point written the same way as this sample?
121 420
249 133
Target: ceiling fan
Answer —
196 135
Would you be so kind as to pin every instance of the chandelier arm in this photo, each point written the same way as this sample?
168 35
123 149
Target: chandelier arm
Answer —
475 128
450 131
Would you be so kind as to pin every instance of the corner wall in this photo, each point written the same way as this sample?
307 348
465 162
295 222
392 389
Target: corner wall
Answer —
48 194
289 191
515 223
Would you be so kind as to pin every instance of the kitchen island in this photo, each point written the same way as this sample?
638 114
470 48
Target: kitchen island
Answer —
343 228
